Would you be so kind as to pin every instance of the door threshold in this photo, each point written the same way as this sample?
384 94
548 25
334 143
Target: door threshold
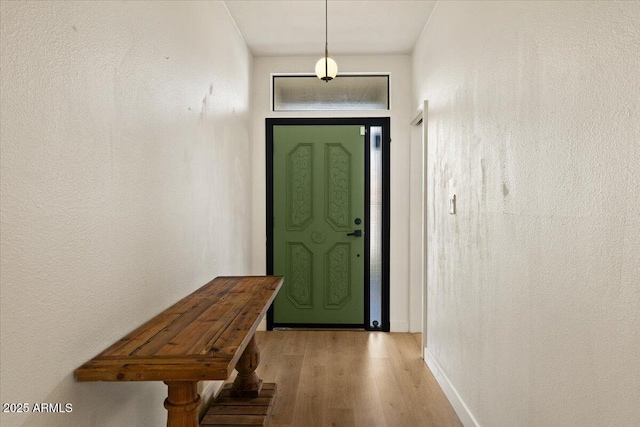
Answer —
321 328
317 326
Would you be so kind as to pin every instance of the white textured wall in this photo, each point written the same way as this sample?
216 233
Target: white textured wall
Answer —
126 184
400 69
534 287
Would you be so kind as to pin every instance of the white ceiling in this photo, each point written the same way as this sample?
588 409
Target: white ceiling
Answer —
356 27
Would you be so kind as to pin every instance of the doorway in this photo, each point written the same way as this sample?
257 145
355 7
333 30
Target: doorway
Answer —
328 222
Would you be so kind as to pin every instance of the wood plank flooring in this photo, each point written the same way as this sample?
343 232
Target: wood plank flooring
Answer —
351 378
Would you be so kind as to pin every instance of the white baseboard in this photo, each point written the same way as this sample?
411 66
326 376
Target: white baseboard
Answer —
399 326
465 415
208 392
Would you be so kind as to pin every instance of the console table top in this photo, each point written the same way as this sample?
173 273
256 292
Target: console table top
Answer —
201 337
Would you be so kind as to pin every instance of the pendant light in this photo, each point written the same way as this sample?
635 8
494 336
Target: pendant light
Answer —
326 68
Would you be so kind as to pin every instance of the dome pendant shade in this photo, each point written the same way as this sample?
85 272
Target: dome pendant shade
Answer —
326 69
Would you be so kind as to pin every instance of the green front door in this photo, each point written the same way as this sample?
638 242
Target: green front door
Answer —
318 200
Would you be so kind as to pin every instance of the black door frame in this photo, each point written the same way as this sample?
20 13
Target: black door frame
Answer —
368 122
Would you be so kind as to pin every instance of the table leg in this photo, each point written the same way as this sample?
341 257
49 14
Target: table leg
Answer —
247 383
182 404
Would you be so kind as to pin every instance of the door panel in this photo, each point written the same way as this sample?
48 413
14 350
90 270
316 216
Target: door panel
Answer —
318 193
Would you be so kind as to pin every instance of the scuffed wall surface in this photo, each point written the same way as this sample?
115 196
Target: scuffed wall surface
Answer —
126 185
534 286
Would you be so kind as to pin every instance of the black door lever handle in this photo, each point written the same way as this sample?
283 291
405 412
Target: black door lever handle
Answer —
356 233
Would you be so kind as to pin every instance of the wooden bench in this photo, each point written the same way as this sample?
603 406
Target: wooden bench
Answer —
202 337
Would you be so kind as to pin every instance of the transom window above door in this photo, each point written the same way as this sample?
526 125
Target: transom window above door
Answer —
305 92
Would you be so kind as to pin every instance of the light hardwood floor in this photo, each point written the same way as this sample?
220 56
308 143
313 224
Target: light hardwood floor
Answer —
351 378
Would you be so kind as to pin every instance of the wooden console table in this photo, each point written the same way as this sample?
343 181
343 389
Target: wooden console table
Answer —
202 337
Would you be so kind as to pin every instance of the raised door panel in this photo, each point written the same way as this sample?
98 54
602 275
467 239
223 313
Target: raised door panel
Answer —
300 187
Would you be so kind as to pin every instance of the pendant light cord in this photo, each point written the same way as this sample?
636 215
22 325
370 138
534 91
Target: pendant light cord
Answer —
326 39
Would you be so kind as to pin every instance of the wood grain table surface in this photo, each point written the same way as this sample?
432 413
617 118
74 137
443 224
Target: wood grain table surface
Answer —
201 337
